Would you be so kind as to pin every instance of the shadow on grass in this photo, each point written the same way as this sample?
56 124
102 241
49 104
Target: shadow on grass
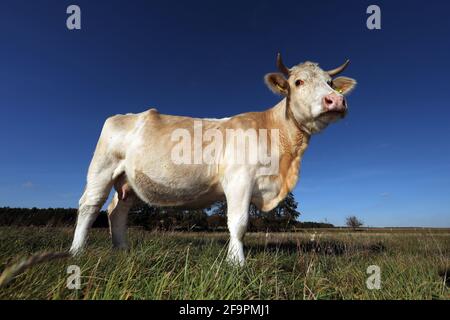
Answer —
320 247
323 247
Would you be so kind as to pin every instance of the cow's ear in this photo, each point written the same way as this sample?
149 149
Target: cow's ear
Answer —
344 85
277 83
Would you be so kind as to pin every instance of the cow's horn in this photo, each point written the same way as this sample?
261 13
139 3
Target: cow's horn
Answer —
281 66
339 69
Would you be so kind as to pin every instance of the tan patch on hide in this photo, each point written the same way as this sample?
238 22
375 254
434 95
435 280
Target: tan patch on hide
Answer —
292 145
122 122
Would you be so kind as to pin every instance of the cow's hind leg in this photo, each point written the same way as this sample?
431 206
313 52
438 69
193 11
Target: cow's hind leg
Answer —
118 213
92 200
101 174
106 166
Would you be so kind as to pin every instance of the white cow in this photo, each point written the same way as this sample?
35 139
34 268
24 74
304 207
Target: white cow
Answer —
142 155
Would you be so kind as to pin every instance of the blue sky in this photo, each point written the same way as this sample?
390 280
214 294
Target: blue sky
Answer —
388 162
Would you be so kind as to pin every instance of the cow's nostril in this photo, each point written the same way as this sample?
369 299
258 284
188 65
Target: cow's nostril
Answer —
328 101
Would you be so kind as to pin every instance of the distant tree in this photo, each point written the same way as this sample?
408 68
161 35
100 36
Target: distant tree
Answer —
216 222
282 218
194 219
219 208
144 215
310 224
287 209
353 222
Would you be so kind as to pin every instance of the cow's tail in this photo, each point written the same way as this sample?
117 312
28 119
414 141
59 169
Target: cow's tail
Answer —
17 268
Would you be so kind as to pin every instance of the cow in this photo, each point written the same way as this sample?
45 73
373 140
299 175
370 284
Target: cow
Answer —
135 155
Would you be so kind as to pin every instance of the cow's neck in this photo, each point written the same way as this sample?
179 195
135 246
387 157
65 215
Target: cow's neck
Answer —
297 133
294 140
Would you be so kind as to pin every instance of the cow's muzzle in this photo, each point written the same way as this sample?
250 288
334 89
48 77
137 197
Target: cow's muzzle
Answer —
334 102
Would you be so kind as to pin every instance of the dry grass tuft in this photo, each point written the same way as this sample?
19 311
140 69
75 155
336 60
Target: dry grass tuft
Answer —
17 268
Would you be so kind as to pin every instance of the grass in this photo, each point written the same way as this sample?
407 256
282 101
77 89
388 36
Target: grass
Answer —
414 265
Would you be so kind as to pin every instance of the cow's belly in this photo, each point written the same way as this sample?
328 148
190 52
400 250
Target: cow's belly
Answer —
165 184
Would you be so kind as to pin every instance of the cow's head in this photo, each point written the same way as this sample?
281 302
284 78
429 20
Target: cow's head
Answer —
315 98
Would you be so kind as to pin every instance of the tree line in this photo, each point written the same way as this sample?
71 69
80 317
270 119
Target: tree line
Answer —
283 218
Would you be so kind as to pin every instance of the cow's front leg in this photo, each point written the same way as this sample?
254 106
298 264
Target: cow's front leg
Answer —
238 194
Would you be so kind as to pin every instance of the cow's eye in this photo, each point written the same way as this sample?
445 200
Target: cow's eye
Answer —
299 82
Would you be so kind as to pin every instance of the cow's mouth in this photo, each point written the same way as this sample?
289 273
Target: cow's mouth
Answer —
338 113
334 114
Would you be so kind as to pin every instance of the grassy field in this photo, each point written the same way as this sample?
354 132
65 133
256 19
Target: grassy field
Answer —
413 265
